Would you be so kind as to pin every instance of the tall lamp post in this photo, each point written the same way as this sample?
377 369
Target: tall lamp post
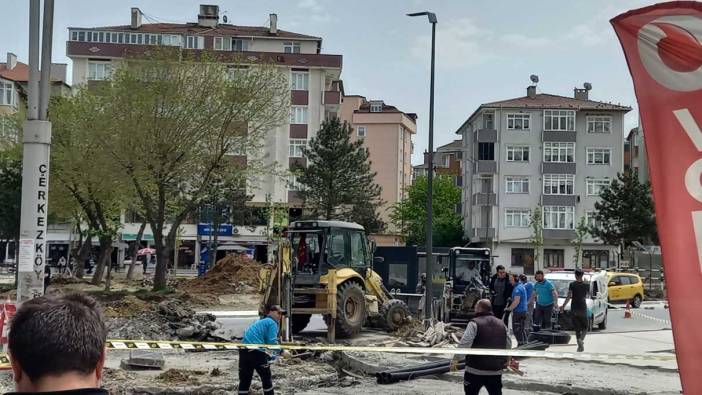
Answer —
428 296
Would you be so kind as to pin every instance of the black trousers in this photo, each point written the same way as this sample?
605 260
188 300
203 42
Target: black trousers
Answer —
250 361
580 324
499 311
472 383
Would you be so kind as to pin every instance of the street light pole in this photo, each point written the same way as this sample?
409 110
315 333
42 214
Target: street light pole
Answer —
428 296
35 159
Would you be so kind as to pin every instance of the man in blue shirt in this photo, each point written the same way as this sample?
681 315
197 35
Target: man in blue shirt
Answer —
546 300
263 331
518 309
529 287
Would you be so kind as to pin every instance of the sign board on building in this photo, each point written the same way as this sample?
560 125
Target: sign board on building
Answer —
223 230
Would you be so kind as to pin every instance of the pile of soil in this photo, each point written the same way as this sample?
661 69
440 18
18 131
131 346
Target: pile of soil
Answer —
128 306
180 376
233 274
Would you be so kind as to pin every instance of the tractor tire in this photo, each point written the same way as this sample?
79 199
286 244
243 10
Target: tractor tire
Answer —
350 309
550 336
393 314
299 322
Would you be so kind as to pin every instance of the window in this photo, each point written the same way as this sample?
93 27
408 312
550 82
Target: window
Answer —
222 44
595 185
559 184
517 218
195 42
558 217
358 249
7 93
361 131
599 124
99 71
563 120
299 81
296 146
486 151
517 153
633 280
336 248
293 183
170 39
151 39
489 120
240 45
599 156
518 121
235 71
559 152
591 219
74 35
517 184
593 259
81 36
291 47
397 276
115 37
376 107
554 258
298 115
523 257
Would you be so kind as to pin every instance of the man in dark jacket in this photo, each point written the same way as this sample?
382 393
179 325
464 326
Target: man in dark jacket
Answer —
57 346
484 331
500 292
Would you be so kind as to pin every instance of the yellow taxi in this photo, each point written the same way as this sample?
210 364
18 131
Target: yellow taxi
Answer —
625 287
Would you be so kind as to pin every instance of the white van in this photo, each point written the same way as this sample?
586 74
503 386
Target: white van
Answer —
596 304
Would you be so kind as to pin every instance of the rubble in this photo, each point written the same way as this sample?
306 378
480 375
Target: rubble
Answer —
143 360
234 274
439 334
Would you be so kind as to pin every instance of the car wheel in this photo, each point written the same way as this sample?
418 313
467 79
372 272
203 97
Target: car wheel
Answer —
603 325
637 301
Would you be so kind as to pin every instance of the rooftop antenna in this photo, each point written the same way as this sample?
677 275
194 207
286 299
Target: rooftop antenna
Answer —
534 78
224 19
587 86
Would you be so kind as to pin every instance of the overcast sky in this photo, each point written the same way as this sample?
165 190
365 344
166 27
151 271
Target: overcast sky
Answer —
486 49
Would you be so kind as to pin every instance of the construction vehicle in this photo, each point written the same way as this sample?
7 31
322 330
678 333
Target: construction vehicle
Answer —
326 267
467 280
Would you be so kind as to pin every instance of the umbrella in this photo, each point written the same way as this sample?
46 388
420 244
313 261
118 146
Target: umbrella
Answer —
146 251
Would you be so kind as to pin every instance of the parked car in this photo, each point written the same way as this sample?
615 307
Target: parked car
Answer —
596 304
625 287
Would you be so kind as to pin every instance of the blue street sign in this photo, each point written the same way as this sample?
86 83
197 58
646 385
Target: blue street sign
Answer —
206 230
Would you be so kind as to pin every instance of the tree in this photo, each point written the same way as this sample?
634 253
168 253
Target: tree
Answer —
10 176
581 231
338 182
190 117
537 233
624 213
410 214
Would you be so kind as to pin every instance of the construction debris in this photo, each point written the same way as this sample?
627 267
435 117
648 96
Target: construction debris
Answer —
181 376
234 274
143 360
439 334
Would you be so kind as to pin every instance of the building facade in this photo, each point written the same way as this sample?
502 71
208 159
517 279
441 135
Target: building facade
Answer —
636 160
315 89
546 151
387 134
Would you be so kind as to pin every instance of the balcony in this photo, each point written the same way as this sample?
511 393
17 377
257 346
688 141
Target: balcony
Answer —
559 200
483 233
565 137
486 136
484 199
331 97
486 166
558 168
559 234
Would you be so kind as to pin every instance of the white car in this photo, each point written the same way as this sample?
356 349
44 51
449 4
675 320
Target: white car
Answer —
596 303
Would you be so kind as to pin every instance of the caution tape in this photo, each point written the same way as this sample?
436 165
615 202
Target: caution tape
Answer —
214 346
642 315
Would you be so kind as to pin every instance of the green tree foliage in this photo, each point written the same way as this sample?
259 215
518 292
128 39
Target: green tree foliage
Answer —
581 232
410 214
536 222
338 182
624 213
10 175
177 123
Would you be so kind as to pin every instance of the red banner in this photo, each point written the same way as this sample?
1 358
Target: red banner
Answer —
663 47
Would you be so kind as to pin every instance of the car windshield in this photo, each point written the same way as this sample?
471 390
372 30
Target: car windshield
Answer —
467 269
561 287
306 248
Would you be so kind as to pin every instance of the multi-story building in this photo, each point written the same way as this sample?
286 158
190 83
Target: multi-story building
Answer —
546 151
14 77
636 160
447 161
387 134
314 87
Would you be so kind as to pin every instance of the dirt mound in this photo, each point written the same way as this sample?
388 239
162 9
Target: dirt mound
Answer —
128 306
180 376
233 274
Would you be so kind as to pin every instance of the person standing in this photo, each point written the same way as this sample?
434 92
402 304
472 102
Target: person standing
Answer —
578 292
529 287
483 331
500 290
263 331
62 265
421 288
519 309
546 298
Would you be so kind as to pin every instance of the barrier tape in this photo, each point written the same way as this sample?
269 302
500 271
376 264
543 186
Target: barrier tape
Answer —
636 313
213 346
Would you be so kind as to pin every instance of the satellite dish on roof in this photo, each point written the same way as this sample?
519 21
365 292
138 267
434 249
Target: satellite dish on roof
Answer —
225 19
587 86
534 78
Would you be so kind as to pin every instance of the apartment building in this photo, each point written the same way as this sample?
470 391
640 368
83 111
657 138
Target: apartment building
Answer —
447 161
539 150
387 133
315 89
635 158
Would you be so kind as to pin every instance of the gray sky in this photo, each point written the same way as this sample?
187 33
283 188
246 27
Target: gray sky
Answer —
486 49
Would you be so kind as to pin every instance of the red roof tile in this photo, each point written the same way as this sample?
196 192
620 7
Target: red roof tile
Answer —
20 73
194 28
